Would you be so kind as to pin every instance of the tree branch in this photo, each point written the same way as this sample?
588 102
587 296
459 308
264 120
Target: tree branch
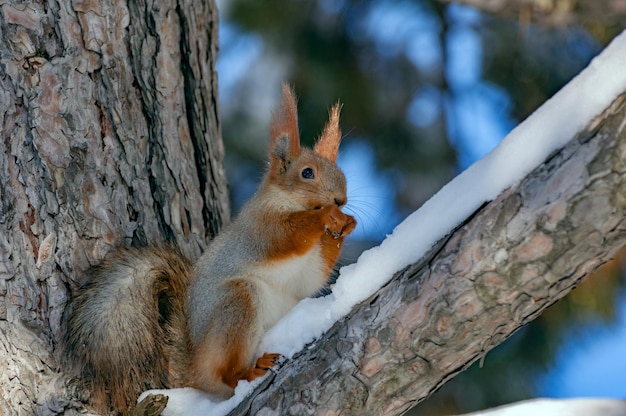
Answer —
515 257
553 12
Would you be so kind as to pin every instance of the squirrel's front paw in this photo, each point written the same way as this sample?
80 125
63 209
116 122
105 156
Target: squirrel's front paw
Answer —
337 223
349 225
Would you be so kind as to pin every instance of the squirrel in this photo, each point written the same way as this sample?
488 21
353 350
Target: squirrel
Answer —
148 318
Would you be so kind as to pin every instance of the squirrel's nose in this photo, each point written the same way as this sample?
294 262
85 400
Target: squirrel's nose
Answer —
340 202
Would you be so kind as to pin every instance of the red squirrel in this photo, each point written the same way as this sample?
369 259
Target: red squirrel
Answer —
148 318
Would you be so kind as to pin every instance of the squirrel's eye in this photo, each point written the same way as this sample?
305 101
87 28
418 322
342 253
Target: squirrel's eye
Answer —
307 173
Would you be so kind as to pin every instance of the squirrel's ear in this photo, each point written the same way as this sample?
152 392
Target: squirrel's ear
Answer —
328 144
281 155
284 136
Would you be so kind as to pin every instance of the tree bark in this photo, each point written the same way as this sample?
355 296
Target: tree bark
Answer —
512 259
554 12
110 136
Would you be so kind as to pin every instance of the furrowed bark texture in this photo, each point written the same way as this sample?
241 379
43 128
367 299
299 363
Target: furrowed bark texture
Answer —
554 12
109 136
515 257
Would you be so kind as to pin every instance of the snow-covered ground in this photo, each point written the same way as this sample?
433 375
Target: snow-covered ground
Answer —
526 147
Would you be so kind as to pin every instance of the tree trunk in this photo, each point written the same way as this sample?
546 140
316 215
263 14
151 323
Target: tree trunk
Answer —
554 12
512 259
110 136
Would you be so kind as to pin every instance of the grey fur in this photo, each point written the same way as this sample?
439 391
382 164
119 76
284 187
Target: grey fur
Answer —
126 328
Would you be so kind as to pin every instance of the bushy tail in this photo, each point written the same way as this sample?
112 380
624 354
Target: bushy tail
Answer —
126 331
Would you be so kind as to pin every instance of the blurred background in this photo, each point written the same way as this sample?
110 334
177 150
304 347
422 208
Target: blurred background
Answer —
428 88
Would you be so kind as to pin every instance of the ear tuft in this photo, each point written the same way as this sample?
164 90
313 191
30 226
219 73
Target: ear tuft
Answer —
285 123
328 144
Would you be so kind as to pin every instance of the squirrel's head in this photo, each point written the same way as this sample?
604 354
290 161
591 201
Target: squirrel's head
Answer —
305 178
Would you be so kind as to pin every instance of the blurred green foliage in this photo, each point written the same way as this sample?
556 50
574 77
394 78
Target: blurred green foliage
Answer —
391 64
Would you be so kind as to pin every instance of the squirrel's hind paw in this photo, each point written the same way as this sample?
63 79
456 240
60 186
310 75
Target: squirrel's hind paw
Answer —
263 363
267 360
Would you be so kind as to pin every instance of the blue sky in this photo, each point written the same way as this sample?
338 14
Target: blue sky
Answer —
592 362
